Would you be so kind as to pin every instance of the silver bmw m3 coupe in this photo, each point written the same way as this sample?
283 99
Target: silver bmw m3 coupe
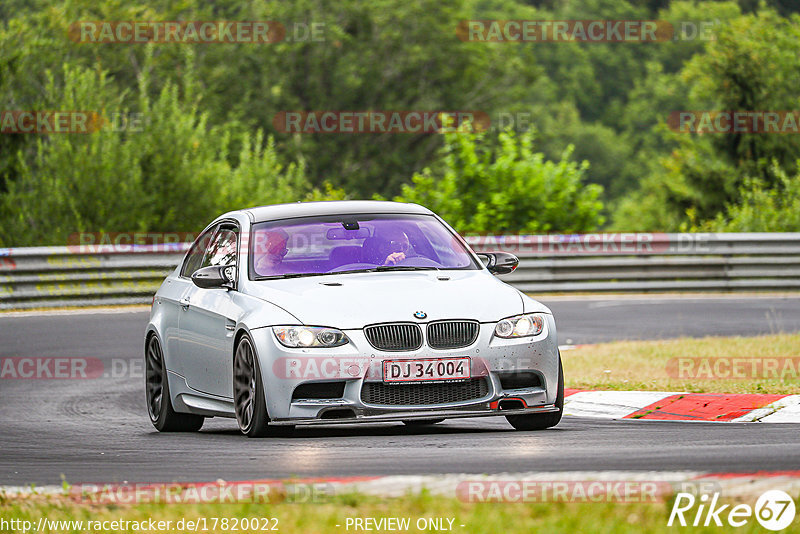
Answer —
345 312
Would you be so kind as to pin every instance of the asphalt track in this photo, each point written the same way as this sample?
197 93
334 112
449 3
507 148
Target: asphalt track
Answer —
97 430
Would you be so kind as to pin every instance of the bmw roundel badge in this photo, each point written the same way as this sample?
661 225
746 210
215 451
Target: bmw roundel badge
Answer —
420 315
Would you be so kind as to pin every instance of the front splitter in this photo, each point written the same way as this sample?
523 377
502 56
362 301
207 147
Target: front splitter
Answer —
415 415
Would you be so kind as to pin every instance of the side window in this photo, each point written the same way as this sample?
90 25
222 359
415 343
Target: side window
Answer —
222 250
194 259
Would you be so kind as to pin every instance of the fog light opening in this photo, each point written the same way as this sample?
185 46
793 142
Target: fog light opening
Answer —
511 404
338 413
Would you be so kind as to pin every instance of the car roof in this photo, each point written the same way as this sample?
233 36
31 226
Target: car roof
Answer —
330 207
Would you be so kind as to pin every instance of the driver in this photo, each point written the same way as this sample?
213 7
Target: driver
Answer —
271 249
395 247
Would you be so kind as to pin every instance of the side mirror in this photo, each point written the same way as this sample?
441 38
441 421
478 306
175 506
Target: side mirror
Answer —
215 276
500 262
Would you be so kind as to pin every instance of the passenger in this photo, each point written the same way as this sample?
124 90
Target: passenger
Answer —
270 250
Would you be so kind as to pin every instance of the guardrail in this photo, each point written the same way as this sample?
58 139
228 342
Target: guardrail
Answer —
68 276
74 276
652 262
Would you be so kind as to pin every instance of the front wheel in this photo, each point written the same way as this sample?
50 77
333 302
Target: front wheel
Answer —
249 399
540 421
159 404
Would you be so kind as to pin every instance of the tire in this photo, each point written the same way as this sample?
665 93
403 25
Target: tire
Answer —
421 422
249 399
159 402
540 421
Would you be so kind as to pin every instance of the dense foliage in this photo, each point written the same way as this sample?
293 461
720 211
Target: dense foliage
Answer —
589 141
507 189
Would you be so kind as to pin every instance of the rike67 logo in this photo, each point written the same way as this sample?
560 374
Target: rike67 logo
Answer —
774 510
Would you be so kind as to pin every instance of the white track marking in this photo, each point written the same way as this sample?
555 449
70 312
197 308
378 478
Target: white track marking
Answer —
610 404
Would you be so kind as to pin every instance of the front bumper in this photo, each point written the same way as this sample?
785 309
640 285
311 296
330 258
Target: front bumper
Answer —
415 414
283 369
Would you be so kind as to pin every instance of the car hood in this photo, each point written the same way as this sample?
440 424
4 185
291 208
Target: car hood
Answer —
351 301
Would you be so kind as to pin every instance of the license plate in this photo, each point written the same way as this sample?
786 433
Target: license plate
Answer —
433 369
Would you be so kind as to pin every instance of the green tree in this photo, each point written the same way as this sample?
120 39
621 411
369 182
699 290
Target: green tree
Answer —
751 66
608 100
762 209
378 55
173 175
501 185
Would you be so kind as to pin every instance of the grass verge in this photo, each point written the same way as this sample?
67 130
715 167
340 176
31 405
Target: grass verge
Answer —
763 364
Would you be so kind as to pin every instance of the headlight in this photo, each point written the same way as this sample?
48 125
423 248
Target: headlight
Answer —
520 326
309 336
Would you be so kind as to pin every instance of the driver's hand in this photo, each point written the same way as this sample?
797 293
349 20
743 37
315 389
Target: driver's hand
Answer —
394 258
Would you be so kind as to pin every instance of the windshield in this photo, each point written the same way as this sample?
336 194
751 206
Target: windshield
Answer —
354 243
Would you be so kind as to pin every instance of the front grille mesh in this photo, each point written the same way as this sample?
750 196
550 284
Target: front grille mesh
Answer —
394 337
378 393
452 334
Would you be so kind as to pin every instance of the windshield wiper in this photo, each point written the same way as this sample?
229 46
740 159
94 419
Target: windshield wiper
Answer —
288 275
404 268
379 268
382 268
